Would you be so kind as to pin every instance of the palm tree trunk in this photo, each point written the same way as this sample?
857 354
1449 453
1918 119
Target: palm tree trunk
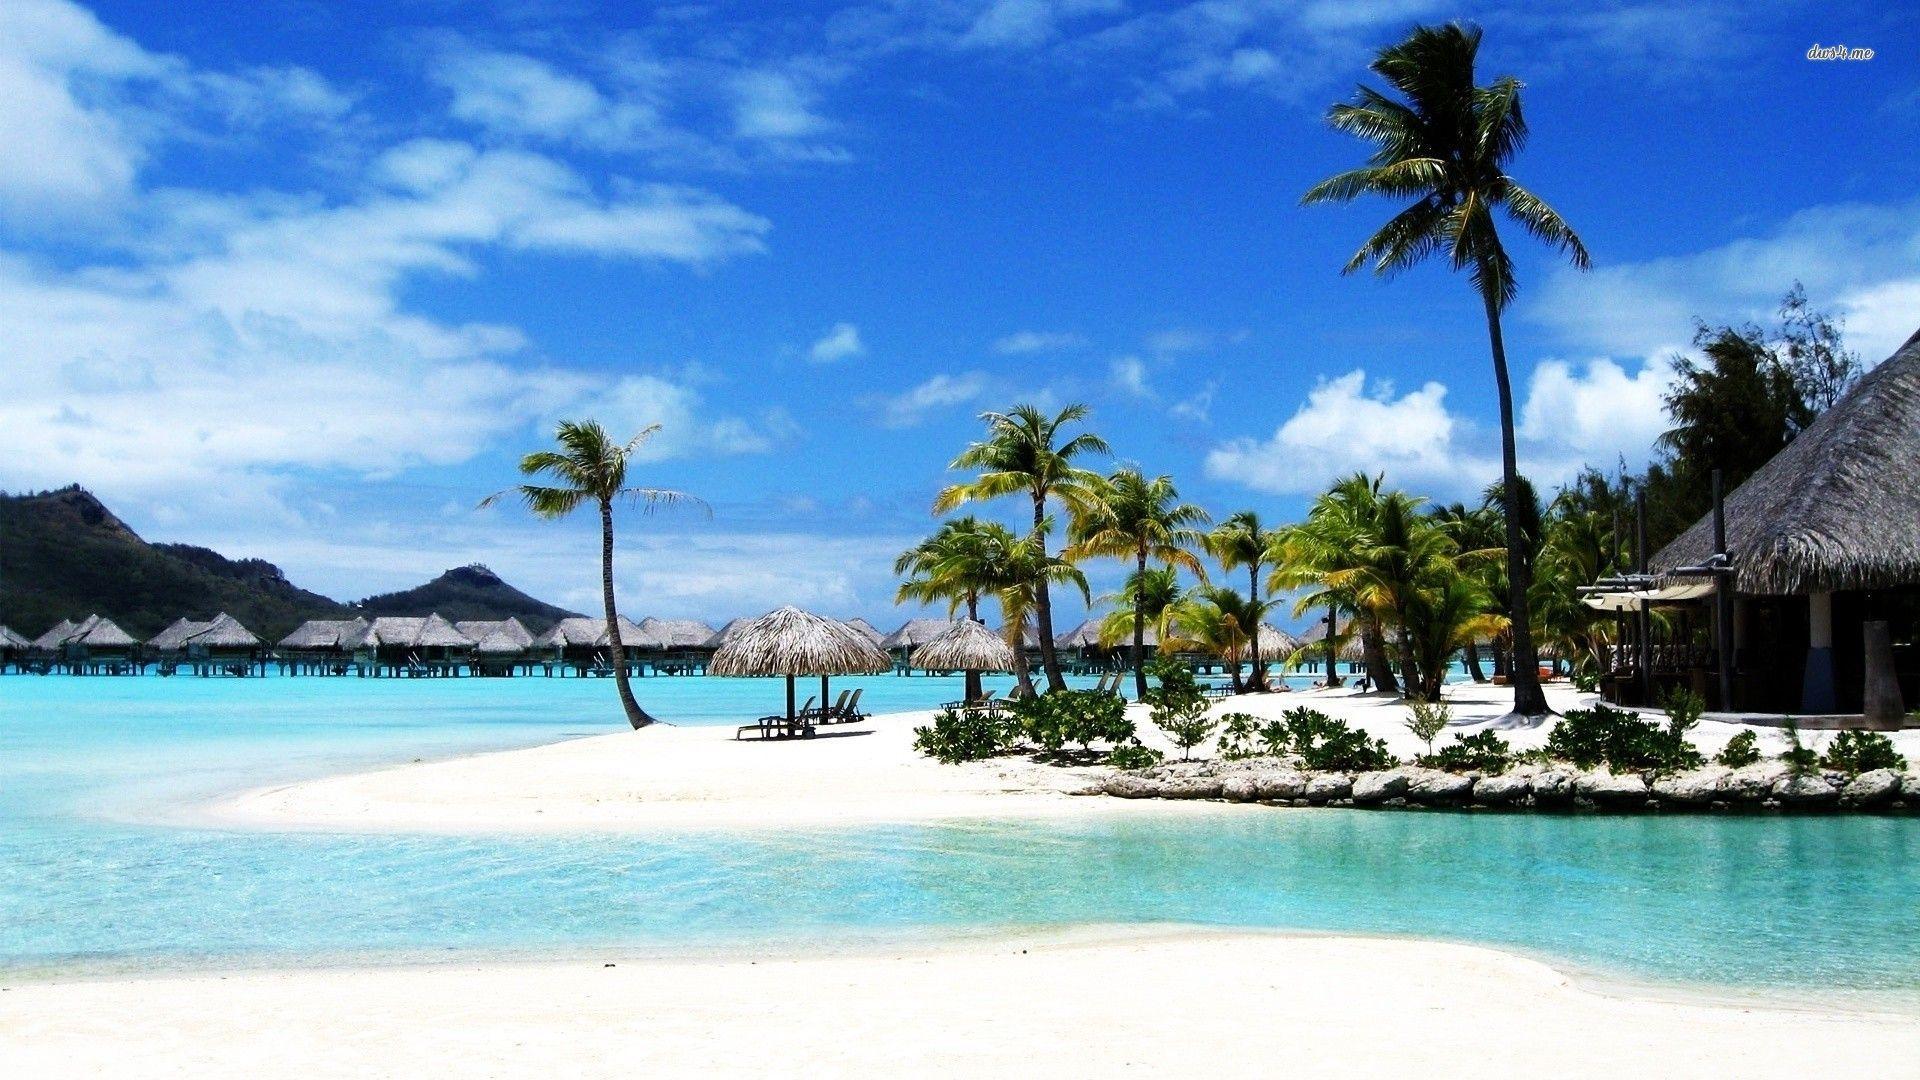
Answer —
1022 678
1140 629
973 677
1373 642
1043 604
1409 667
1333 659
1528 699
635 714
1473 662
1257 678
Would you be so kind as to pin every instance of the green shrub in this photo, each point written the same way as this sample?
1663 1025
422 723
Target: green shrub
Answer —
1741 751
1329 745
1274 739
962 735
1429 719
1052 720
1176 688
1132 755
1623 742
1586 680
1855 752
1484 752
1801 760
1185 723
1239 736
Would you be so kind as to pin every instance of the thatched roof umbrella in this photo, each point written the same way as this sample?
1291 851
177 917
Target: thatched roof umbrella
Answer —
1276 644
965 646
791 642
1838 510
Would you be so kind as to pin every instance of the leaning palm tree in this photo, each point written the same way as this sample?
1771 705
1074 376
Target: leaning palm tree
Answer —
589 467
1023 454
1138 519
1447 146
1241 541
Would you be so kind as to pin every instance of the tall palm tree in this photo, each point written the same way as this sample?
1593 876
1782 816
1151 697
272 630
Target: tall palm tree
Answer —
1138 519
590 467
1477 530
1241 541
955 566
1447 145
1023 454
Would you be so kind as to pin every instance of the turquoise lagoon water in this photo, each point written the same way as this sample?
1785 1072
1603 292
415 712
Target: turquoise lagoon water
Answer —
97 873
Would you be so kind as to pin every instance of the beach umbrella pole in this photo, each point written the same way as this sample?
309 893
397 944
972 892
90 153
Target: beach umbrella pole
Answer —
789 697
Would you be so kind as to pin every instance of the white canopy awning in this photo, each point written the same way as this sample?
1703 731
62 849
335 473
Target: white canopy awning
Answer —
1631 599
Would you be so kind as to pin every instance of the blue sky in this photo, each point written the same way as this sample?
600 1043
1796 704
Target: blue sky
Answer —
302 280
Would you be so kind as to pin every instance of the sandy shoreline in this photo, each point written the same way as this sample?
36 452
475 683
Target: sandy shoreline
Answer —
1157 1001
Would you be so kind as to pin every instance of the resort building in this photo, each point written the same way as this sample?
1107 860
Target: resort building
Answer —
1822 560
13 648
95 646
911 635
675 646
321 647
398 645
220 645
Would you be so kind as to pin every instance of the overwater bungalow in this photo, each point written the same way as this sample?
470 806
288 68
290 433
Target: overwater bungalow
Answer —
13 648
321 647
401 645
1350 654
867 630
500 646
911 635
1080 652
675 646
94 646
1821 570
580 645
220 645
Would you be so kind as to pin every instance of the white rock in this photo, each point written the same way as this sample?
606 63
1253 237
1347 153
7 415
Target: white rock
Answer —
1875 788
1552 787
1281 784
1504 789
1612 789
1325 787
1378 787
1694 788
1238 789
1438 786
1754 783
1808 791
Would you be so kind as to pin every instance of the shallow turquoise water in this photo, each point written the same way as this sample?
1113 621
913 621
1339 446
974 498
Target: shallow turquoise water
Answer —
91 878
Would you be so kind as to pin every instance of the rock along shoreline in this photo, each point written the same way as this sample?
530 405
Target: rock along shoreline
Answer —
1764 787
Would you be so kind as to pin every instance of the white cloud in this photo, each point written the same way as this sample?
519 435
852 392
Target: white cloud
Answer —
81 108
1347 425
773 105
1595 410
842 342
515 94
1198 407
941 391
1129 375
1861 259
1022 342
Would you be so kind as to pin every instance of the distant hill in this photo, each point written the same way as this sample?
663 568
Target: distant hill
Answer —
467 592
64 555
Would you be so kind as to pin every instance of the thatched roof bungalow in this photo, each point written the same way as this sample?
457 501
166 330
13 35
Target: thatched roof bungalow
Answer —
56 636
508 629
867 629
325 636
93 639
674 635
914 633
1823 540
728 632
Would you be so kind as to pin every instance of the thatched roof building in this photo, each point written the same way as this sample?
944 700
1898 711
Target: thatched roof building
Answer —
1084 636
964 646
1351 651
1838 510
174 637
728 632
11 641
333 635
672 634
57 635
586 632
867 629
397 631
1824 546
914 633
508 629
500 642
1276 644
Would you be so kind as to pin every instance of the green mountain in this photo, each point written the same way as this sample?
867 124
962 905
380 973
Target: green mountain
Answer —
467 592
64 555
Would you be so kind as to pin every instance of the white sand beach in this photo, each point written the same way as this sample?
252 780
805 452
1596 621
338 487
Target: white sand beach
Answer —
699 777
1151 1002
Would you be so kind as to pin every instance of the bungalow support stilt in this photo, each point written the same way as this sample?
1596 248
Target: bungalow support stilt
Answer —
1816 686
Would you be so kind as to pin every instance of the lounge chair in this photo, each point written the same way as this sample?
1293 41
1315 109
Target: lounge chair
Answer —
846 711
776 727
832 713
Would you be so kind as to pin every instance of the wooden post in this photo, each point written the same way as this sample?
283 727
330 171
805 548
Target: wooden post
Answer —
1722 598
1642 626
1881 705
